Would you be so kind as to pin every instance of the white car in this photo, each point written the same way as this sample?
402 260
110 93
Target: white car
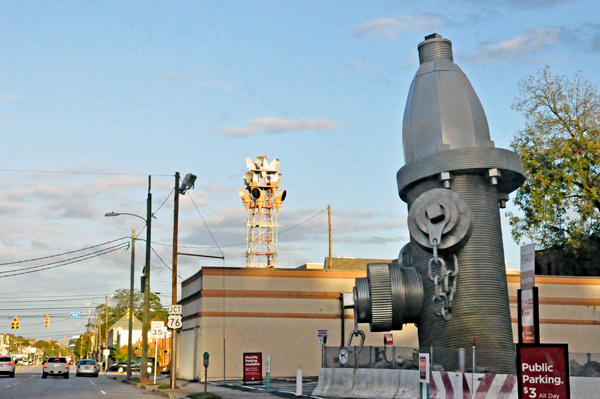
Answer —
7 366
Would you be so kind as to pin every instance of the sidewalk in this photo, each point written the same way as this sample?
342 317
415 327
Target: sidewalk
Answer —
228 390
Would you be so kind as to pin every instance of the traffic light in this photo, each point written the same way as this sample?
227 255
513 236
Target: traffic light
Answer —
65 340
18 324
15 323
47 324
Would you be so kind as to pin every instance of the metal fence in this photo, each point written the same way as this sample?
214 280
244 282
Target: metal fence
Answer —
395 357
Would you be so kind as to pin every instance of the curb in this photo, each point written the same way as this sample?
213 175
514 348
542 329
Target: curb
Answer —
161 392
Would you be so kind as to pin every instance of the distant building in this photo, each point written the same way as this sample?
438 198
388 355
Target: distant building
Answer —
118 333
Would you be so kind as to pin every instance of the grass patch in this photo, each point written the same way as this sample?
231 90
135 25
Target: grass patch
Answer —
167 386
135 379
203 395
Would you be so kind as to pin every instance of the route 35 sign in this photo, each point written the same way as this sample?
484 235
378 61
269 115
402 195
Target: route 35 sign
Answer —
174 321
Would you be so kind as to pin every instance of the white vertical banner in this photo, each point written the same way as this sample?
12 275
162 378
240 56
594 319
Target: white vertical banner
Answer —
527 266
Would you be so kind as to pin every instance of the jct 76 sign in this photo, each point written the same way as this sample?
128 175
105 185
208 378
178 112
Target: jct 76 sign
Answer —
543 371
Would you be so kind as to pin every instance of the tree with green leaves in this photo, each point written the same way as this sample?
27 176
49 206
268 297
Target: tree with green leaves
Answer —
118 304
560 148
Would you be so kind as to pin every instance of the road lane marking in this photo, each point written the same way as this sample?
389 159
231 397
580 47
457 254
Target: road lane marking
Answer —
103 392
91 382
31 377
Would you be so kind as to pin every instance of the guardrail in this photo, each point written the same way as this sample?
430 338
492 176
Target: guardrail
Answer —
406 358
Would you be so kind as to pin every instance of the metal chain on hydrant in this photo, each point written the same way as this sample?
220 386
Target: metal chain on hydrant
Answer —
445 289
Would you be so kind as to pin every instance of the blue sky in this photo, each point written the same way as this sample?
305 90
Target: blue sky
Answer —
140 88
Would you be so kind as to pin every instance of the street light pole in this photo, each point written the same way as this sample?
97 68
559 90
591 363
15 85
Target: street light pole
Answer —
173 378
186 184
131 288
145 289
146 321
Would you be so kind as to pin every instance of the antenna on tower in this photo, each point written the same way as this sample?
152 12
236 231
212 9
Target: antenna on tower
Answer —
262 199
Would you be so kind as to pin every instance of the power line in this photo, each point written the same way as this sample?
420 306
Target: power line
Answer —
126 244
167 266
64 253
196 246
67 290
313 216
211 234
235 245
161 205
41 309
99 253
80 173
82 298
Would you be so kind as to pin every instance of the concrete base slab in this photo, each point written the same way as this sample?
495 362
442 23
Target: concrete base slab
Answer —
404 384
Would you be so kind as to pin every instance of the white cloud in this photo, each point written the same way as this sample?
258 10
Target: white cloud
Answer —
388 28
238 131
278 125
532 41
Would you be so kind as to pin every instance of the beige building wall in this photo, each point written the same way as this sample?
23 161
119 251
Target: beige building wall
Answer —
278 312
569 310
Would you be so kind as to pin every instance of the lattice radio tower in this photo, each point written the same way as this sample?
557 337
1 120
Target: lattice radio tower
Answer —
262 200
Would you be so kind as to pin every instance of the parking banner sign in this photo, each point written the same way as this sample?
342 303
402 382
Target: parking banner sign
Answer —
252 367
543 371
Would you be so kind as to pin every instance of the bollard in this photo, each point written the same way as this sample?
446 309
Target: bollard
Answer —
268 383
461 359
474 368
299 381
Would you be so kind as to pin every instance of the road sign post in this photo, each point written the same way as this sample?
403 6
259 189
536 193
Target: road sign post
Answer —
174 322
106 353
527 299
157 330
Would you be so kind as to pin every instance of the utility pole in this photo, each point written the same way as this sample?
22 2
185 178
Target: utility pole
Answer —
329 266
89 345
105 335
97 325
146 321
173 378
131 288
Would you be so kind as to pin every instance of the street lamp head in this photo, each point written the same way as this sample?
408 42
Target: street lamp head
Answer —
111 214
187 183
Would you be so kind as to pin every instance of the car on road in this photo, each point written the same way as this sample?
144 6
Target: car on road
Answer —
87 367
7 366
135 365
57 366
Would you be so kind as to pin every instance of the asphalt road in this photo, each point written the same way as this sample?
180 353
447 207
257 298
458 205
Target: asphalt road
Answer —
28 384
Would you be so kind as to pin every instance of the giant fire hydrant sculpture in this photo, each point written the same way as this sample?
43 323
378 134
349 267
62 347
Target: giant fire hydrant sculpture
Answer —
450 280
